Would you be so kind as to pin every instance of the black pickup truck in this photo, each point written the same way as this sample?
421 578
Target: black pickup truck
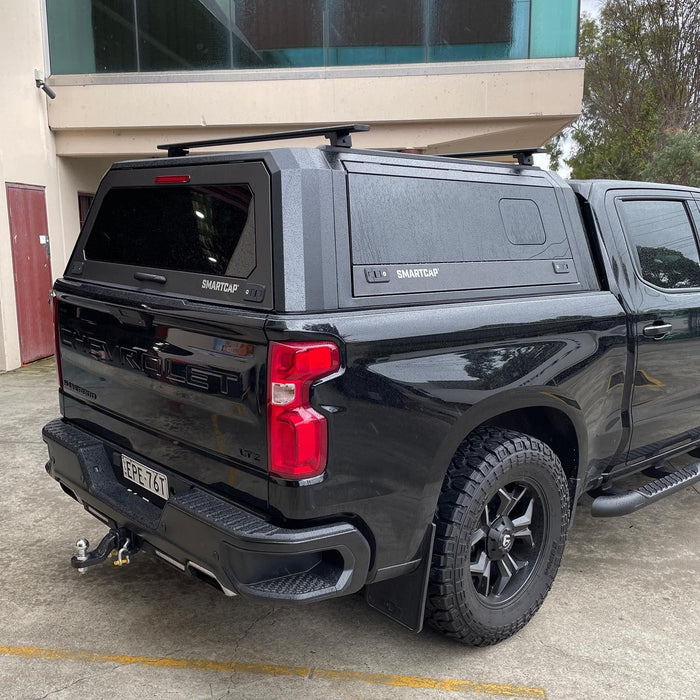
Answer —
297 373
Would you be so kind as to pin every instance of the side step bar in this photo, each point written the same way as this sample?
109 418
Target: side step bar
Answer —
609 505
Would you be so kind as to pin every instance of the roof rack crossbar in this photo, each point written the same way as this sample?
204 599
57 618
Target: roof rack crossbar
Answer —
522 155
337 135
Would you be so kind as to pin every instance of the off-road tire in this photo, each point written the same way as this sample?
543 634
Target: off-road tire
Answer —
489 460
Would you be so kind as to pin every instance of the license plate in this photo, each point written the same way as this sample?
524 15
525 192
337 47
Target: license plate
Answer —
145 477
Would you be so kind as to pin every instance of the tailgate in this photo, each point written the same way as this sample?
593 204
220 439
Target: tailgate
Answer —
161 317
180 387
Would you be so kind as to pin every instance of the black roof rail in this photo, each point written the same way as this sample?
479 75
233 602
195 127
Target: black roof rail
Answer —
522 155
337 135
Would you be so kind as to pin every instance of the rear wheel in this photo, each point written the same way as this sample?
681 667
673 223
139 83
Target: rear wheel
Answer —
501 522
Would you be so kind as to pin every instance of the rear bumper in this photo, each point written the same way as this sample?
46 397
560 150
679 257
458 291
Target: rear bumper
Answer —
210 536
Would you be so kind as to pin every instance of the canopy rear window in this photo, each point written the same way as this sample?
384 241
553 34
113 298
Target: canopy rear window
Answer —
208 229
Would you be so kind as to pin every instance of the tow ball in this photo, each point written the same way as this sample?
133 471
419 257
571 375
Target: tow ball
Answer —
119 544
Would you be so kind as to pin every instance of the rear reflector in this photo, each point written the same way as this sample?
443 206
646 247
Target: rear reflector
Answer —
297 434
171 179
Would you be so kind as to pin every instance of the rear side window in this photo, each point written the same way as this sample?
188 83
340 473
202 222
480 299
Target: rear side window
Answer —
414 233
208 229
664 242
421 220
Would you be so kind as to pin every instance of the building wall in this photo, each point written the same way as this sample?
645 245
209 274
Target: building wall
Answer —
66 144
525 102
27 152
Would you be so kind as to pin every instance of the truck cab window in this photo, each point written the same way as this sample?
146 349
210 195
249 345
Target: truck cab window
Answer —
663 239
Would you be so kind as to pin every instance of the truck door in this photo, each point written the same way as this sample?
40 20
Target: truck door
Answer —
660 229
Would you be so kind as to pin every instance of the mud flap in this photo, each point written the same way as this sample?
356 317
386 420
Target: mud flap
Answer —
403 598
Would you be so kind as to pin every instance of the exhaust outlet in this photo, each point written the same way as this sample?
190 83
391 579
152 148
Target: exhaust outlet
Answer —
208 577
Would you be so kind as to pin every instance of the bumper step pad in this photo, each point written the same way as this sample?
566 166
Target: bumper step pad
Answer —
243 551
609 505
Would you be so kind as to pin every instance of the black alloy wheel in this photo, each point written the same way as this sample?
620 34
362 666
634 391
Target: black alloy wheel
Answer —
501 520
507 544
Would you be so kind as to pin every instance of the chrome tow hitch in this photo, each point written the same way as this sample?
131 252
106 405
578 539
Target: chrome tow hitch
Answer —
119 544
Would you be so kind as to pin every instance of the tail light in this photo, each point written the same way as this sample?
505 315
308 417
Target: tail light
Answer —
297 434
57 338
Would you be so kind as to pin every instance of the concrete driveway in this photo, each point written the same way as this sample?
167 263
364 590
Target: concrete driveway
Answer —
622 620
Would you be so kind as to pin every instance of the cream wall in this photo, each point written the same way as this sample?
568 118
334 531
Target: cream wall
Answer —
27 152
423 106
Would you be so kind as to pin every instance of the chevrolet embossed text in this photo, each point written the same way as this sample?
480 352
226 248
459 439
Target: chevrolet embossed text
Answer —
174 370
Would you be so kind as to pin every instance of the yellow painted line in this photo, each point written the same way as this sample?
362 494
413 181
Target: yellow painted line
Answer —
276 670
511 691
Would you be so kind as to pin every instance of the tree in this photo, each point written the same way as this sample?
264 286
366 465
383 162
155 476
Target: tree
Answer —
642 83
668 268
678 162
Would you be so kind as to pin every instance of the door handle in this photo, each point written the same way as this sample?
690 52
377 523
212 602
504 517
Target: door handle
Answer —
148 277
657 330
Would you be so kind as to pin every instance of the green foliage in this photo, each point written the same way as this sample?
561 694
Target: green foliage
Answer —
555 150
668 268
642 82
678 162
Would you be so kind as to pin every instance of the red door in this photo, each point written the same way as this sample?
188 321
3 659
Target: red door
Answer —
32 268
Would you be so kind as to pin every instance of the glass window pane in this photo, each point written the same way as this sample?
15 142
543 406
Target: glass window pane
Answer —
520 39
476 22
419 220
184 34
663 239
91 36
522 221
554 28
84 204
271 33
373 23
114 36
208 229
67 19
478 30
373 31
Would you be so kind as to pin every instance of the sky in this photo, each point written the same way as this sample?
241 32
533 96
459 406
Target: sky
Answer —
591 6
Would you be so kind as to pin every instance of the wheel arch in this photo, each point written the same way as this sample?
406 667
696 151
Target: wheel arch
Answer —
551 426
555 420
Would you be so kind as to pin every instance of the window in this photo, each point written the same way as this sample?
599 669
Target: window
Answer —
663 240
279 33
522 221
183 35
376 31
553 28
84 204
412 234
118 36
113 36
208 229
396 220
478 22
